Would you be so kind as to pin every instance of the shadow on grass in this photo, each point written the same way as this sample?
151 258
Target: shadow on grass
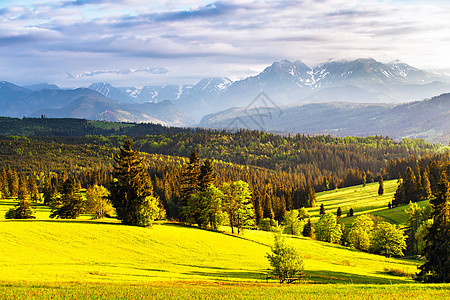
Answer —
230 275
68 221
342 277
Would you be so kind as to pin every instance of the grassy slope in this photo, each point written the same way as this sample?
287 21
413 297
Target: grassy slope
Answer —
363 200
51 250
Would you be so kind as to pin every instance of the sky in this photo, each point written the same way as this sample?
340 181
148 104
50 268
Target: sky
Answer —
74 43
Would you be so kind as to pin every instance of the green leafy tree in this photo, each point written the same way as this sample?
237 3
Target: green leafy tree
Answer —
421 234
237 204
98 203
292 224
437 250
328 229
380 186
416 216
211 202
360 231
284 260
70 203
388 239
132 189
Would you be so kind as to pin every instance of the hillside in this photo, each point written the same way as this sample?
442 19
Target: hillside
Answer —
363 200
427 119
86 251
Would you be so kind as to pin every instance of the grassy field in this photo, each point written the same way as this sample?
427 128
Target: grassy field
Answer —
85 259
363 200
219 290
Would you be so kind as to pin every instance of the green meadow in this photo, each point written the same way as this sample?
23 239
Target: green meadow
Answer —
85 259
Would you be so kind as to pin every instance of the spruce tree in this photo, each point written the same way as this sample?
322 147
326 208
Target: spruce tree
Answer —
437 249
308 230
70 203
32 188
13 182
339 212
322 209
132 189
207 175
190 179
22 193
426 186
381 187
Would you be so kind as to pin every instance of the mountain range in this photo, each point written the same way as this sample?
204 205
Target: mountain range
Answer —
285 85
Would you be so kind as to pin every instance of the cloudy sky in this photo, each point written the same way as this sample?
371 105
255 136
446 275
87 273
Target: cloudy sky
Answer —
135 43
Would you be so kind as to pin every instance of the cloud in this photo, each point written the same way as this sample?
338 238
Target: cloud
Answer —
158 71
195 38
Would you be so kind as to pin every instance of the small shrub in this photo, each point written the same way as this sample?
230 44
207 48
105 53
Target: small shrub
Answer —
397 272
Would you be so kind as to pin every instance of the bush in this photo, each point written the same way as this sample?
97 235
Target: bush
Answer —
267 224
285 261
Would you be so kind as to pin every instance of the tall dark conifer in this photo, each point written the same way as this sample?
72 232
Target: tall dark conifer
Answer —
437 249
70 204
207 174
381 187
322 209
132 189
190 179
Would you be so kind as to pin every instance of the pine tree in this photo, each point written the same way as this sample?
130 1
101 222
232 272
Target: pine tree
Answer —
22 194
132 189
364 179
339 212
13 182
410 186
308 230
311 196
32 188
207 174
190 183
381 187
70 203
4 190
322 209
426 186
437 249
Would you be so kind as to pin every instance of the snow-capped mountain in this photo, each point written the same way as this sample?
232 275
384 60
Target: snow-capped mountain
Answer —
156 93
111 92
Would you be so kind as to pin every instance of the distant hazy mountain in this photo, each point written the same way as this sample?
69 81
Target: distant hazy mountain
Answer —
41 86
286 82
428 119
84 103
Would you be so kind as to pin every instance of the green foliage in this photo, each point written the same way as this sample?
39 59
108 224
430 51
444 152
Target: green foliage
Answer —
416 216
421 234
237 203
98 203
292 223
284 260
268 224
23 210
70 203
328 229
360 231
132 190
388 239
